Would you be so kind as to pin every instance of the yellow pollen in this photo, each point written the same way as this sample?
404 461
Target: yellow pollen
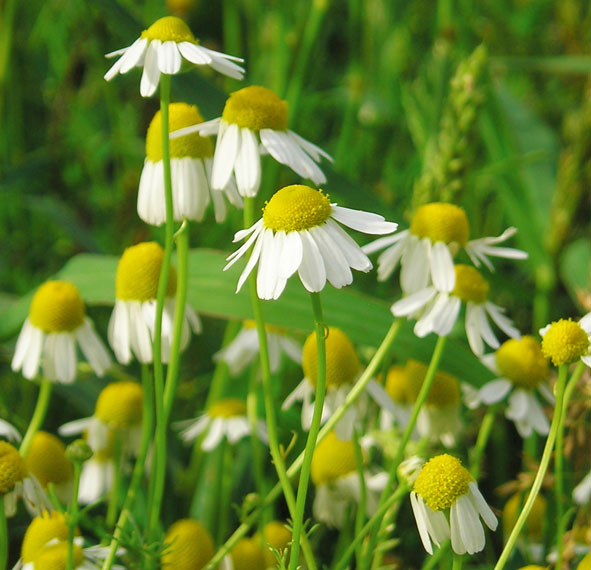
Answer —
564 342
276 535
256 108
342 363
445 389
534 524
470 285
46 460
332 459
248 555
55 556
441 481
193 145
57 307
227 408
296 208
189 546
169 29
439 221
41 530
522 362
138 273
12 467
397 384
120 405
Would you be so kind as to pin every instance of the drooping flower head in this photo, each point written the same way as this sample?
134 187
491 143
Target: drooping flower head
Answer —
162 48
57 321
247 555
189 546
566 341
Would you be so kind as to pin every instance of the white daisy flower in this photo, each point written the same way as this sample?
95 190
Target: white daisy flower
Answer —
56 323
226 418
244 348
131 328
443 483
299 232
188 544
254 122
8 431
425 251
566 341
162 48
97 476
437 310
190 165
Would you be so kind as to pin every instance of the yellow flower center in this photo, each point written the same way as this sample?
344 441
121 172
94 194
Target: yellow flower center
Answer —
332 459
397 384
248 555
189 546
445 389
534 524
250 324
138 273
12 467
41 530
441 481
57 307
120 405
276 535
46 459
193 145
564 342
470 285
256 108
585 563
169 29
342 363
522 362
227 408
55 557
296 208
439 221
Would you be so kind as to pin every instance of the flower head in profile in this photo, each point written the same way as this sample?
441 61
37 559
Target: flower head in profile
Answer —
277 537
444 486
132 323
57 322
162 48
437 310
247 554
188 546
566 341
425 251
299 232
254 122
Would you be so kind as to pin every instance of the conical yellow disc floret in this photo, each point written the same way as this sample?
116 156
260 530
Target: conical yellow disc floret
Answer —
120 404
277 535
227 408
445 389
296 208
342 363
193 145
248 555
57 307
256 108
565 341
522 362
169 29
441 481
397 384
43 529
46 459
332 459
189 546
439 221
470 285
55 557
138 273
534 524
12 467
585 563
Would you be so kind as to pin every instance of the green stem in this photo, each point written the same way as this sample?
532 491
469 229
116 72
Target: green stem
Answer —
457 562
360 514
3 536
432 561
73 515
114 494
38 415
483 435
298 521
546 455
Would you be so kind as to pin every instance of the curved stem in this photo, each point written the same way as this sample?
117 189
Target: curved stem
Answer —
38 415
73 515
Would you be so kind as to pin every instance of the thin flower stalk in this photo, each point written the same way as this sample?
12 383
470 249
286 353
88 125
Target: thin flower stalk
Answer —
360 514
112 507
481 440
73 515
38 415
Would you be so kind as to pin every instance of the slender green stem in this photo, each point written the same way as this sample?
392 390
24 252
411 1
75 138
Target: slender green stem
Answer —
3 536
298 521
484 432
432 561
113 505
457 562
360 514
38 415
73 515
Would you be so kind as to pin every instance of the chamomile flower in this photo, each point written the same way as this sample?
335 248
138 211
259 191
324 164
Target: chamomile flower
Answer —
299 232
247 555
437 310
443 483
396 387
425 251
162 48
277 538
566 341
57 321
254 122
226 418
98 474
190 165
244 348
131 328
342 370
338 483
189 546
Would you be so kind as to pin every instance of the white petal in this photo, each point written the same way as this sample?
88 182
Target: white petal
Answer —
494 391
482 507
470 527
194 53
169 58
408 306
253 259
442 268
582 492
414 265
420 519
224 158
518 405
314 151
214 435
247 166
292 255
311 271
151 73
337 268
93 348
348 246
365 222
504 323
